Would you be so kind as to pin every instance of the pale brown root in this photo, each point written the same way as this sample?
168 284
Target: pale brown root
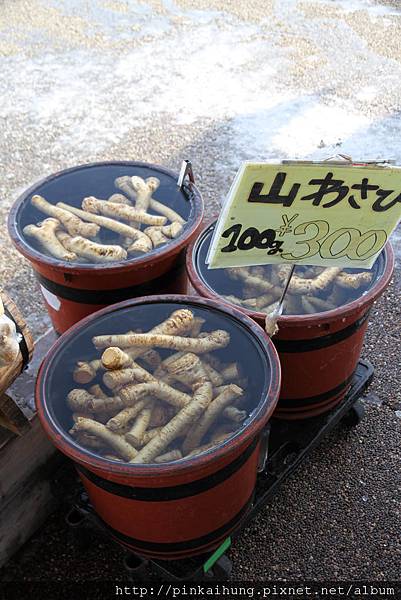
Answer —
151 358
105 416
173 230
211 341
140 425
89 441
243 383
79 400
274 278
100 253
219 389
112 457
179 322
214 376
168 212
338 295
85 372
97 391
221 430
150 434
292 304
143 189
130 394
234 414
187 369
115 358
307 306
45 234
174 428
258 283
72 223
119 199
169 456
201 449
320 304
124 184
110 403
162 234
199 429
213 361
161 414
125 241
155 234
120 377
249 292
218 439
235 300
105 222
259 301
231 372
116 210
81 415
197 326
258 271
310 273
141 243
115 441
300 285
142 375
122 418
354 280
282 272
162 370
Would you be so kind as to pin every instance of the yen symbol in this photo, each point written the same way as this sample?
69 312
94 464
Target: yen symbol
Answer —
286 226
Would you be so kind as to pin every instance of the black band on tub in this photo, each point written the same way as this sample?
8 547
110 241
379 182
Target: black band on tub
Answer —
175 492
173 547
320 342
110 296
312 400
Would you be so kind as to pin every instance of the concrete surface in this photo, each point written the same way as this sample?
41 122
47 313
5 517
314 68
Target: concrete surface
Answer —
220 81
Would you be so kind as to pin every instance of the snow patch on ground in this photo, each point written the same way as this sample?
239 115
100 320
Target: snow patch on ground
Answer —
217 67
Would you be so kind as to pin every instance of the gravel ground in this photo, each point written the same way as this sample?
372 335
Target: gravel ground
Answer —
220 81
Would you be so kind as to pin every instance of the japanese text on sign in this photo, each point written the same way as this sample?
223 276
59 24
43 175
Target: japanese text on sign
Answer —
315 214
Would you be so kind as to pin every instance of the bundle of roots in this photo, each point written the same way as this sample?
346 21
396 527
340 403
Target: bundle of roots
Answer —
76 234
150 408
311 290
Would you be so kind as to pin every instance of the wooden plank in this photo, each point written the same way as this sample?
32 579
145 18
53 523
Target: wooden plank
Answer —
20 519
27 466
5 436
20 458
11 417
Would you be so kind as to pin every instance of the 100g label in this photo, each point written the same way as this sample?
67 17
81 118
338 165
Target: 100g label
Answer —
251 238
312 238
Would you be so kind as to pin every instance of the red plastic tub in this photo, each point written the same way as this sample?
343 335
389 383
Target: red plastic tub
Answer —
73 291
318 352
182 508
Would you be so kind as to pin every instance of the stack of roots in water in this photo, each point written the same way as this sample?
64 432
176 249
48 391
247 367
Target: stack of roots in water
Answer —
311 290
154 409
76 234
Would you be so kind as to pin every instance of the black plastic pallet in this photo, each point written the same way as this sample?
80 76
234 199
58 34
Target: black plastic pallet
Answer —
285 445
